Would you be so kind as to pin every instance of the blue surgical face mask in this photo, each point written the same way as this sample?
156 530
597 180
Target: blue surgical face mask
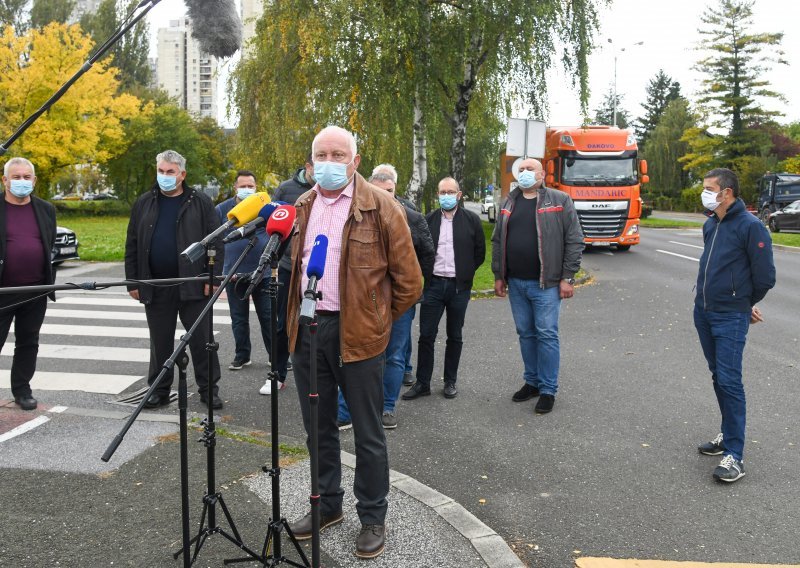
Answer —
244 192
167 183
527 179
448 202
21 187
331 175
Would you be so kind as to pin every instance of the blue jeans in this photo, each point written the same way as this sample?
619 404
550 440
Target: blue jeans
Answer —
722 337
440 295
409 367
395 364
536 312
240 318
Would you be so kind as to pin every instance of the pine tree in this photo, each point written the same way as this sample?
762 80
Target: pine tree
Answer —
44 12
661 90
604 114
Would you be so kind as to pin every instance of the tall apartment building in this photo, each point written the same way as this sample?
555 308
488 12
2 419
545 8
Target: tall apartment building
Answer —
251 11
186 73
82 7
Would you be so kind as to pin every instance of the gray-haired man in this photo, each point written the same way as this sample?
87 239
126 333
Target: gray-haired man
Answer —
164 221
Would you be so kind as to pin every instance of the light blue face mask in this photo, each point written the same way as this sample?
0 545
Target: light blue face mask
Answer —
527 179
167 183
21 187
331 175
244 192
448 202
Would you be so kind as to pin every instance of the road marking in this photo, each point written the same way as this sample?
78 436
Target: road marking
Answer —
87 382
101 331
634 563
96 301
115 316
686 245
22 428
88 352
679 255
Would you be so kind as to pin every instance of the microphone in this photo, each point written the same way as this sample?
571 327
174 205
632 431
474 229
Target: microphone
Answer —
244 212
247 231
216 26
279 227
314 271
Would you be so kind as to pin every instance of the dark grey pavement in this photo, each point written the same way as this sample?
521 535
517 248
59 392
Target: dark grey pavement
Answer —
613 471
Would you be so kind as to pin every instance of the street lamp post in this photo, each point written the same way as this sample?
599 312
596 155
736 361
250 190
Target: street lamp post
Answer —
611 41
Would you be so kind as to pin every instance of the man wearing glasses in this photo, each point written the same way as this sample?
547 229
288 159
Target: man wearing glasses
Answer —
460 249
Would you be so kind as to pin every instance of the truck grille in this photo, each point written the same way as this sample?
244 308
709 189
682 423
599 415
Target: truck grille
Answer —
602 220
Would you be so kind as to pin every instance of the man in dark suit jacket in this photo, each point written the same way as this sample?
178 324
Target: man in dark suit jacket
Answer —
27 236
460 249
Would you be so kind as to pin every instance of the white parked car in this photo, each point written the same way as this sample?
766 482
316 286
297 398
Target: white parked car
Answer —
487 202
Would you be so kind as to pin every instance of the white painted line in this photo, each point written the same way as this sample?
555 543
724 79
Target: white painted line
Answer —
85 382
22 428
115 316
686 245
101 331
88 352
121 302
679 255
58 409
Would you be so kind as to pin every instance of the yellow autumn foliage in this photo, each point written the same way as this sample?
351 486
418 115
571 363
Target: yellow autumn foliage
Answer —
85 125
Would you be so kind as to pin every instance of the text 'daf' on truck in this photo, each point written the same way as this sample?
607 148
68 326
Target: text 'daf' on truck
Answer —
598 166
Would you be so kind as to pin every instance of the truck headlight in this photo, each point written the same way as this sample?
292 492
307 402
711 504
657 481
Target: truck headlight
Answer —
634 230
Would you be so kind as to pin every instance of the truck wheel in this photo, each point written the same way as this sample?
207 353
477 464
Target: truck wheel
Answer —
765 216
623 248
773 226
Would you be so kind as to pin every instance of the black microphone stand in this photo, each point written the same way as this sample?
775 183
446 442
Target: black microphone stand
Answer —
209 434
271 552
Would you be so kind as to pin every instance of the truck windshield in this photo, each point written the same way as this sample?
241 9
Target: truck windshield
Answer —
599 171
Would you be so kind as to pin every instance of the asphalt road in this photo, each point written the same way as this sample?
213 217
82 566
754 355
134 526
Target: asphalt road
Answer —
613 471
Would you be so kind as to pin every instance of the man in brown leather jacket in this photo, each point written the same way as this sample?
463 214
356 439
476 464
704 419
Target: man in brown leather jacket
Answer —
371 277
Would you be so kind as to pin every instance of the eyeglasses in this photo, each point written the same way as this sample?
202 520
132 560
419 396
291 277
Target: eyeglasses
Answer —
448 193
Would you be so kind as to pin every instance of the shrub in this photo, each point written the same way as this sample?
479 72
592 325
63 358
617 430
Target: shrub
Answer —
103 208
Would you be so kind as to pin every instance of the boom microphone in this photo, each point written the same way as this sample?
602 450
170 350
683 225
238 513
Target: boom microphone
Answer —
314 271
246 231
244 212
216 26
279 227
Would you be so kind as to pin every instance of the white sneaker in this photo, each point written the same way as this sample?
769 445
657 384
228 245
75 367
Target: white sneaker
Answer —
267 388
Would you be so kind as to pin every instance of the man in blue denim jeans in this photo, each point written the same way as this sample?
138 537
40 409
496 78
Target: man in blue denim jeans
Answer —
736 271
536 250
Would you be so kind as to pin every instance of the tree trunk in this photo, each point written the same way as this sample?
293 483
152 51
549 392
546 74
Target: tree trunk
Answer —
419 172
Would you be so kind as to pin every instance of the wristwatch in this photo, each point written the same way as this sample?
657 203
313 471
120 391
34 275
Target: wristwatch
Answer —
570 281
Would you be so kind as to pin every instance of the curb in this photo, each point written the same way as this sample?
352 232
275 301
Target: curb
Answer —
489 545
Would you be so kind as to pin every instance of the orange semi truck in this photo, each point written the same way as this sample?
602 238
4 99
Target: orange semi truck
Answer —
598 167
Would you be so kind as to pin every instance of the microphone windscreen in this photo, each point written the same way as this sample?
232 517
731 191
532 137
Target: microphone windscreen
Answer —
216 25
248 209
281 221
266 211
316 262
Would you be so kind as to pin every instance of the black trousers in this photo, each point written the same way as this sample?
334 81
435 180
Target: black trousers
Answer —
28 318
162 318
282 339
362 385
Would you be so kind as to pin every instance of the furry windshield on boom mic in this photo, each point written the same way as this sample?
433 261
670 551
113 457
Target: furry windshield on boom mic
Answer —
216 25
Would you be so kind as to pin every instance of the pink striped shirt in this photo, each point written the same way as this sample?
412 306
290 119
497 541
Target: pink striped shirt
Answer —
327 217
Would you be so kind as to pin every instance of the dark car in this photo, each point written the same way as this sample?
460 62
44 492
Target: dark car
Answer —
66 247
787 218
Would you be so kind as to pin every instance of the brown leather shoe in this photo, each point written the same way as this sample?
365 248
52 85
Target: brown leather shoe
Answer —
370 541
302 528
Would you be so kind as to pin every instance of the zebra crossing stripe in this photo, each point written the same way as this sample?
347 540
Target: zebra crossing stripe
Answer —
88 352
86 382
113 316
98 301
101 331
588 562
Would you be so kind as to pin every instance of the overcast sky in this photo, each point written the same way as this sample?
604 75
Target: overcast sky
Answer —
669 32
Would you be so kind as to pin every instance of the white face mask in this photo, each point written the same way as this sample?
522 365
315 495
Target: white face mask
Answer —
709 199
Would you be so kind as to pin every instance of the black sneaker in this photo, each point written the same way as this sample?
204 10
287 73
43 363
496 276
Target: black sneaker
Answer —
450 390
729 470
545 404
237 364
712 448
408 379
527 392
389 420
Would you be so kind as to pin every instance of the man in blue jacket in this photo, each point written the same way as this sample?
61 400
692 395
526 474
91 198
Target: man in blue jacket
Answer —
736 271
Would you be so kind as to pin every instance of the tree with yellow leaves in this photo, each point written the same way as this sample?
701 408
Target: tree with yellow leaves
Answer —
86 125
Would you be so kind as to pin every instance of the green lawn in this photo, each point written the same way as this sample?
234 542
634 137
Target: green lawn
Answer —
787 239
101 239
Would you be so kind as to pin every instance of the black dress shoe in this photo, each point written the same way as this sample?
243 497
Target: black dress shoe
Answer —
26 402
155 400
408 379
216 401
370 541
527 392
450 390
545 404
302 529
416 391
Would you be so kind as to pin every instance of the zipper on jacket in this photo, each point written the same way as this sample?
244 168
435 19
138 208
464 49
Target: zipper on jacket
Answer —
340 362
733 285
708 261
377 312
